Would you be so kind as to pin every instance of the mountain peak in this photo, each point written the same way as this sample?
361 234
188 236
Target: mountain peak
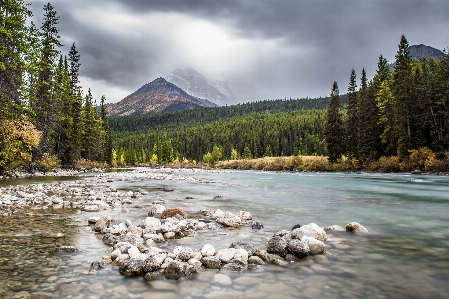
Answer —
157 96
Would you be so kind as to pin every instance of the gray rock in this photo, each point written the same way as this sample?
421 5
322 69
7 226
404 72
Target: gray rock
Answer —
175 270
235 265
186 254
102 223
211 262
153 263
256 225
131 267
192 270
298 247
277 245
110 239
123 246
244 245
99 264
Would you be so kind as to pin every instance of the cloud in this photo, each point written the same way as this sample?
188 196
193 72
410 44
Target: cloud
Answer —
266 49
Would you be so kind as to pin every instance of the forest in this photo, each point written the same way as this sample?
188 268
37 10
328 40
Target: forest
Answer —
45 120
400 113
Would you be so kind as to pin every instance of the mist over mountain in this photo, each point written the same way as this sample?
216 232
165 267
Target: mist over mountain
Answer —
157 96
215 90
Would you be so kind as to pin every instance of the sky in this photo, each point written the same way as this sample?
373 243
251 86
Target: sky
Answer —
264 49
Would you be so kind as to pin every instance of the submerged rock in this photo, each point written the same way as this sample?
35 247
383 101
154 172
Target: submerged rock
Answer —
131 267
355 227
67 249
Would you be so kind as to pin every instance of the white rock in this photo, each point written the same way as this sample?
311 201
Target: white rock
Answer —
152 222
115 254
225 255
217 214
245 215
208 250
241 255
156 209
133 252
91 208
315 246
309 230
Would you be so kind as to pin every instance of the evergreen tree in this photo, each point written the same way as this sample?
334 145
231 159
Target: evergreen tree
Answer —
334 134
401 87
106 145
14 48
76 103
352 119
43 103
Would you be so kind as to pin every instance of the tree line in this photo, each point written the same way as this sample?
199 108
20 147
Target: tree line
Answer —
45 119
396 113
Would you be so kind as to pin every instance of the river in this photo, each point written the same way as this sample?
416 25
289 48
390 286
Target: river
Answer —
404 255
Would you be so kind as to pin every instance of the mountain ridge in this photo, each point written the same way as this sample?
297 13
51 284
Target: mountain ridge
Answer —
157 96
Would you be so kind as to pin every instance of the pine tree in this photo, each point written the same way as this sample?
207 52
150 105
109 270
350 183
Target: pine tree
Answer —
334 133
352 122
106 145
43 103
76 103
14 47
401 87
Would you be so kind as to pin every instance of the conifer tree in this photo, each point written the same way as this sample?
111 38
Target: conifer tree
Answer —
14 48
401 87
334 133
43 103
352 122
106 145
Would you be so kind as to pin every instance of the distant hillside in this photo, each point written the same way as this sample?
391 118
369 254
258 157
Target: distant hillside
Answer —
419 51
157 96
196 84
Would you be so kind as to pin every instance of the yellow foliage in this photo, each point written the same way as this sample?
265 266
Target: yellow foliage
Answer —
18 138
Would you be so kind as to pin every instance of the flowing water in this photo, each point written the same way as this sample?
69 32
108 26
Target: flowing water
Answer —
405 254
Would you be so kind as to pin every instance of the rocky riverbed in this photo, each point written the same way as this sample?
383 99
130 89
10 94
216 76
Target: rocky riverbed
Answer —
145 234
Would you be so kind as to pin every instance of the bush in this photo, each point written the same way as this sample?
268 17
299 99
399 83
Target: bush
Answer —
18 138
48 163
386 164
418 158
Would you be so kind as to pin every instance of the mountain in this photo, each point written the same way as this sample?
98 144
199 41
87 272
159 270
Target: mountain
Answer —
157 96
194 83
419 51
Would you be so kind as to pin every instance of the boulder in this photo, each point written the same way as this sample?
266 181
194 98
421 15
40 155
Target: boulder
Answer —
217 214
192 270
175 270
207 250
233 221
153 263
244 245
235 265
298 247
315 246
186 254
309 230
277 245
131 267
156 209
355 227
255 260
211 262
102 223
171 212
225 255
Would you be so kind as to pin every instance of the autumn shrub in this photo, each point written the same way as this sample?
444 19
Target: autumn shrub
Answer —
48 163
316 163
18 138
417 159
386 164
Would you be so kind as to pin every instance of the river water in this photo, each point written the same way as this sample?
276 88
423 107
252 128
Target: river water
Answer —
404 255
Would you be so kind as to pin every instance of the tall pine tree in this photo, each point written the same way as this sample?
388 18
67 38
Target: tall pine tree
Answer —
334 132
352 118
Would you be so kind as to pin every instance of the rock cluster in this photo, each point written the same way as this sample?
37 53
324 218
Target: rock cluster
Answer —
63 195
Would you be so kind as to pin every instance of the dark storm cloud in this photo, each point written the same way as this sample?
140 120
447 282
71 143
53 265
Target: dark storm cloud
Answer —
317 42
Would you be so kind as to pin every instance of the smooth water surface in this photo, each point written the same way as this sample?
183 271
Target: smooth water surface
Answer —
405 255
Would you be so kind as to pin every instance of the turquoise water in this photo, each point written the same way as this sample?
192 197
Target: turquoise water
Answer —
405 255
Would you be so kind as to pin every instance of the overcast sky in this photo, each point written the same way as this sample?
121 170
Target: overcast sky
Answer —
265 49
